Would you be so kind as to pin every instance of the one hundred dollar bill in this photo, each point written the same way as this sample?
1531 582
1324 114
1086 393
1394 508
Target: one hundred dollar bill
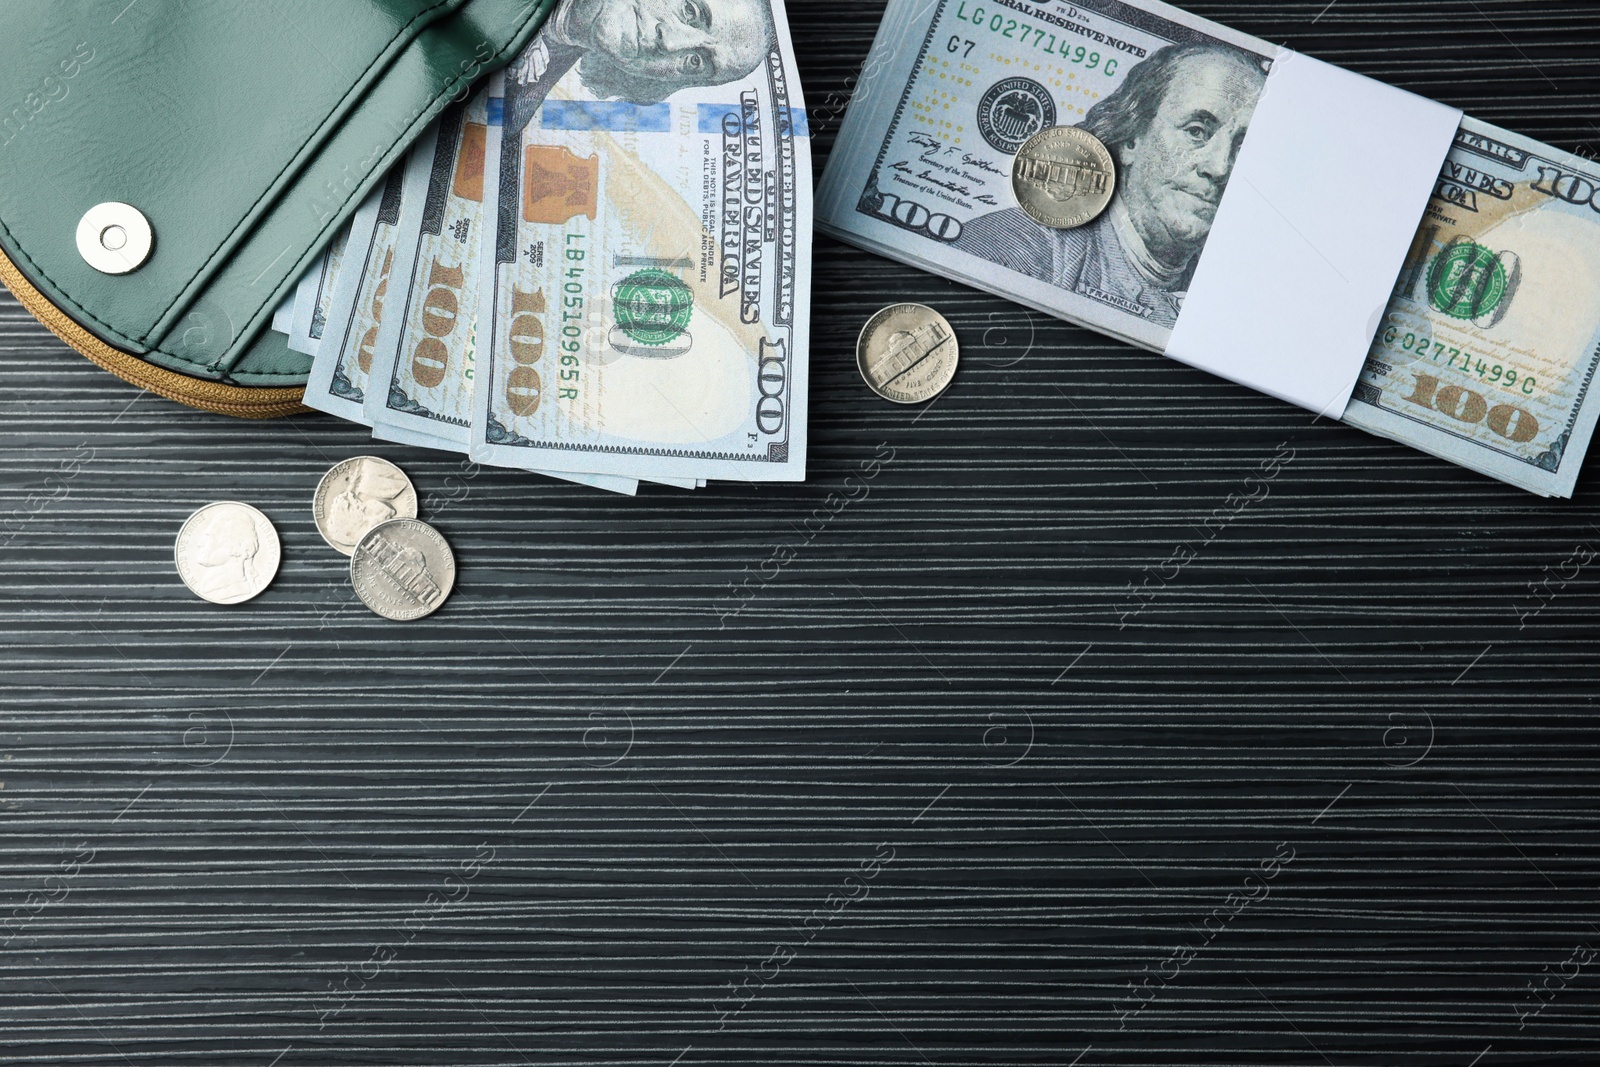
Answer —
422 368
646 289
1487 353
343 358
314 296
952 89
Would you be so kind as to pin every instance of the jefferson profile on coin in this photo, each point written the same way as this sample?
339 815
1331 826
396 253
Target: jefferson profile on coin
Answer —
1174 127
223 546
369 498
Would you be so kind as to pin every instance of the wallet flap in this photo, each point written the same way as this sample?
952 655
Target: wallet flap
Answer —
245 133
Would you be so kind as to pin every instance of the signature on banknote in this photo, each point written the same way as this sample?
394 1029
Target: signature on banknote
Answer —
1487 349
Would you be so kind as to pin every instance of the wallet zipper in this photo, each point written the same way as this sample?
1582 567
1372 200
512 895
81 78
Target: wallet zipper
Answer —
240 401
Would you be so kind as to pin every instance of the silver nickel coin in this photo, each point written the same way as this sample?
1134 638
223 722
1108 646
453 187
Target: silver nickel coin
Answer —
403 569
227 552
358 494
907 353
1063 177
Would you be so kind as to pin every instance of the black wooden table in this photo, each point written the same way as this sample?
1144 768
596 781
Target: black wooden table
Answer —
937 759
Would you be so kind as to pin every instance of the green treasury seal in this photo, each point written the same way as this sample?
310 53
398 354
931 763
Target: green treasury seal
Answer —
652 306
1467 281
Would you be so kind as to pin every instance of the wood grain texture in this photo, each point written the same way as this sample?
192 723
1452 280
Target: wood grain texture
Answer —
977 803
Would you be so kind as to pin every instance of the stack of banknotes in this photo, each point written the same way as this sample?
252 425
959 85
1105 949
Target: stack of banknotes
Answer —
597 267
1486 353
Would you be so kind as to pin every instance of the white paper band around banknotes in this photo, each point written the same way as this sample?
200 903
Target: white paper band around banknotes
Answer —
1489 348
1320 210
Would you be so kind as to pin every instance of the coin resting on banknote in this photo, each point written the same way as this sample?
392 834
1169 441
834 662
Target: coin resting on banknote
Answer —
1063 177
1486 352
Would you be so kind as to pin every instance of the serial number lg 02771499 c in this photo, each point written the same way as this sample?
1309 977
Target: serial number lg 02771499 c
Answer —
1013 29
1493 373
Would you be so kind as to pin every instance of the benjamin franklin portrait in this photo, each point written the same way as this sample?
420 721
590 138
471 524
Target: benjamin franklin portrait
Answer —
639 51
1174 128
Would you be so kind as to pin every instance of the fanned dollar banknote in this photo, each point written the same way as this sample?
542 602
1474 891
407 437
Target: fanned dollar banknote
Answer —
921 173
313 297
339 373
646 287
598 268
420 383
423 367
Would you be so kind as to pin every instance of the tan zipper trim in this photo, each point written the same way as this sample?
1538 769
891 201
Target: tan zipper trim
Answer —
237 400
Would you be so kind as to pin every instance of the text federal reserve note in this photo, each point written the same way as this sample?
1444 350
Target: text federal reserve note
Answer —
1487 353
646 310
343 360
954 88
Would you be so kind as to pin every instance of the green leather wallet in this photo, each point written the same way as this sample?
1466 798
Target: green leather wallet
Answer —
169 169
